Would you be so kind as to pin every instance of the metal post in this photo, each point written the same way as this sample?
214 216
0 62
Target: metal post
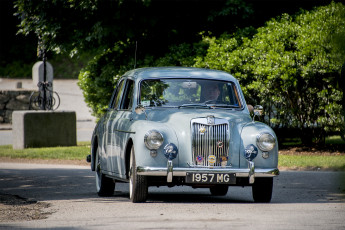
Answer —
44 78
41 84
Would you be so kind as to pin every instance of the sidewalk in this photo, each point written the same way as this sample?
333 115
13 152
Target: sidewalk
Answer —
71 99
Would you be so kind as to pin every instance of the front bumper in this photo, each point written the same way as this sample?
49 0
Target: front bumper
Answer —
251 172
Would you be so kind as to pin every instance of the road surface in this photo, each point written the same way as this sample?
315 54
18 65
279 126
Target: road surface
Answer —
301 200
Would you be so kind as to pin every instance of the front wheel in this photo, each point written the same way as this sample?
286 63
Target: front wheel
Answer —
138 189
262 190
105 186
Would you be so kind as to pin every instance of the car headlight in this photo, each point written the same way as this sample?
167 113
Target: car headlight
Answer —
153 139
265 142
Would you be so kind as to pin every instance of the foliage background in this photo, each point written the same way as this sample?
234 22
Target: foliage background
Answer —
292 65
287 59
85 28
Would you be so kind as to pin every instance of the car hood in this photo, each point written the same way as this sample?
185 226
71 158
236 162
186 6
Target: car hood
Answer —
181 118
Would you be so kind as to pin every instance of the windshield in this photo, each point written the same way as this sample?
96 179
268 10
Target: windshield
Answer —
187 92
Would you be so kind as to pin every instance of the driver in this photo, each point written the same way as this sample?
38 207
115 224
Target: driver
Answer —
210 92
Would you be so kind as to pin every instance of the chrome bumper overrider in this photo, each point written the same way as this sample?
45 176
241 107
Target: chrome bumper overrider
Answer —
251 172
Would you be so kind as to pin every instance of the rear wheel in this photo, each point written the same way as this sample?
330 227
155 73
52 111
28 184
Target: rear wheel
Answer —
138 189
219 190
262 190
105 186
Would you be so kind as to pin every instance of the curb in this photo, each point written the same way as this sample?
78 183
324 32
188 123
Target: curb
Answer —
5 127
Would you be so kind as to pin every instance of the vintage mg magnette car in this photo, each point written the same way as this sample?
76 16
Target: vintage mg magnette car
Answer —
172 126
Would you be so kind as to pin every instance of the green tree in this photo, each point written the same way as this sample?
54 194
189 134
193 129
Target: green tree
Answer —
74 25
110 30
99 77
292 66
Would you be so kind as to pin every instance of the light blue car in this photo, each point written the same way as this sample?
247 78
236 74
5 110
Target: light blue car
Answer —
170 126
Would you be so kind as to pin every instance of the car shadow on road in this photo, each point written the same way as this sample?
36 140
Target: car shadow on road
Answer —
194 198
44 184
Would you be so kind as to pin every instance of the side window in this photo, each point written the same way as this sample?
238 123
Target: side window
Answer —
127 99
112 98
231 95
117 95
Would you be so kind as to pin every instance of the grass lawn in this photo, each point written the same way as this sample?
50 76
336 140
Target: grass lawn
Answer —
78 152
320 162
329 157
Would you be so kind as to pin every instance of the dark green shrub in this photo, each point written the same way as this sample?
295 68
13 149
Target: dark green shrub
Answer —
99 77
292 66
16 69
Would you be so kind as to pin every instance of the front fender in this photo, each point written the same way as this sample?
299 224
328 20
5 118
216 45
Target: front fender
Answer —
249 134
142 153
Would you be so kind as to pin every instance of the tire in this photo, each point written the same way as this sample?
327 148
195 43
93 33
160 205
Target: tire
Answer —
262 190
53 101
219 190
35 101
105 186
138 189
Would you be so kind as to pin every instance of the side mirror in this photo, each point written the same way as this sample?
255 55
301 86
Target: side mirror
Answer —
258 111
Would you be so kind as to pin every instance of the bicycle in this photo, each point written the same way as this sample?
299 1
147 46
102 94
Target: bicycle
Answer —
45 98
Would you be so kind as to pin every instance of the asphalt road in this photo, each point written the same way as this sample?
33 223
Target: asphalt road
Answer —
301 200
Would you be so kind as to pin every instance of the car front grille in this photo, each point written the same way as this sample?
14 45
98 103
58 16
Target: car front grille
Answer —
210 136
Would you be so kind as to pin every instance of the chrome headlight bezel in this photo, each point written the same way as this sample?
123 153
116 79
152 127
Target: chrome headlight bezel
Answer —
265 142
153 139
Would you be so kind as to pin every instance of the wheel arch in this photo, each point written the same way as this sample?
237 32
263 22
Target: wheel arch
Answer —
93 153
128 155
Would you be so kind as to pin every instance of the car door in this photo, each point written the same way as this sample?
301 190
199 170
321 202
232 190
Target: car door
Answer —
121 127
109 147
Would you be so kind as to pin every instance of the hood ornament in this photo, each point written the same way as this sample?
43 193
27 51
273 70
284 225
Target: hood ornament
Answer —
210 120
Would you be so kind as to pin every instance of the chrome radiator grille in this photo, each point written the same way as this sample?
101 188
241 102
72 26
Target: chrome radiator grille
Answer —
210 136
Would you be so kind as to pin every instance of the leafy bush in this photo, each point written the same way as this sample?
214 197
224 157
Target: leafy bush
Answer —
292 66
100 76
16 69
66 67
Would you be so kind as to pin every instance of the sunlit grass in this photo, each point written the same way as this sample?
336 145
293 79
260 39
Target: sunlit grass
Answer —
326 162
335 140
329 157
78 152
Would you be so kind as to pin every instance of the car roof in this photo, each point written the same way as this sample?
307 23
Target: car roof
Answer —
179 72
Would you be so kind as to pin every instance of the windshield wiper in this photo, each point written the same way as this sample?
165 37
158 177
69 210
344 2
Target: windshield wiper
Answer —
223 106
195 106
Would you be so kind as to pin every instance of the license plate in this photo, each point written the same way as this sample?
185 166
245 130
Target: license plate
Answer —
211 178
